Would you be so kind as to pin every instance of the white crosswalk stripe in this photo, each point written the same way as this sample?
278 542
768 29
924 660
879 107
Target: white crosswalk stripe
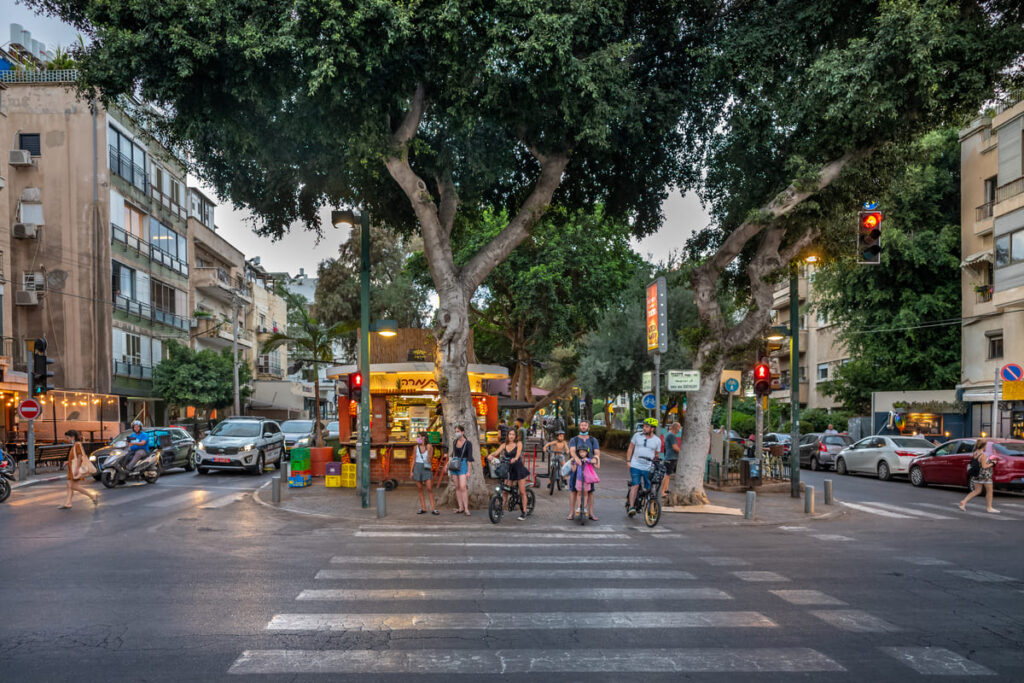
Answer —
564 593
876 511
908 511
936 661
855 620
968 511
384 559
525 535
222 501
980 575
505 574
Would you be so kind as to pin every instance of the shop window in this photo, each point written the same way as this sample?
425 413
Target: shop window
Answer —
995 344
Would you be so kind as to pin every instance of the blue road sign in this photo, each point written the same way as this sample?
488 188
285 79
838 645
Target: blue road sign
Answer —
1011 372
870 206
648 401
731 385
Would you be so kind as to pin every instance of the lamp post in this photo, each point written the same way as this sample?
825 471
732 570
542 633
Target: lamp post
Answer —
794 360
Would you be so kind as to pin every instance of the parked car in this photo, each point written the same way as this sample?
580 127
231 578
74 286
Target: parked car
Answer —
777 438
333 430
241 443
297 434
818 450
947 464
178 448
883 456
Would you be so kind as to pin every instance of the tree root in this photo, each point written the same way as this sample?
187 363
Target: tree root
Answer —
689 498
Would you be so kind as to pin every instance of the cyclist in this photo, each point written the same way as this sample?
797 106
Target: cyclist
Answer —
643 451
582 441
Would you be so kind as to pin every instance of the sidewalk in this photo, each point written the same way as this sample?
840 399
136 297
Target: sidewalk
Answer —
726 508
34 479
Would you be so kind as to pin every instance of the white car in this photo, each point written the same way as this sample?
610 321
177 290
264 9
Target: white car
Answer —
883 456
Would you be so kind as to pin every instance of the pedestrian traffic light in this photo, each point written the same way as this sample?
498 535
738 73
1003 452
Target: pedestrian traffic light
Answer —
355 387
869 237
762 380
40 372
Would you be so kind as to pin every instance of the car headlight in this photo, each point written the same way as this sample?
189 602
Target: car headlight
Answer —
201 446
92 458
247 447
303 441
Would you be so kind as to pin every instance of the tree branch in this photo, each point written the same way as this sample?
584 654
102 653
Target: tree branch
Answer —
449 202
555 394
411 121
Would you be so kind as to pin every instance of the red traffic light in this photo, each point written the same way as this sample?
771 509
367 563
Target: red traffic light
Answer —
762 372
870 220
356 380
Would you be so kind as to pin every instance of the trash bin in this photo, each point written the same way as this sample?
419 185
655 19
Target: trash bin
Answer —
750 472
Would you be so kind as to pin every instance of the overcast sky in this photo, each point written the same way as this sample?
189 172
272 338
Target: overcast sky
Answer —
299 249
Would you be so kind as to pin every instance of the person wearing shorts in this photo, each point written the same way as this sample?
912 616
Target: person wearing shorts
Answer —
586 444
423 456
643 451
673 443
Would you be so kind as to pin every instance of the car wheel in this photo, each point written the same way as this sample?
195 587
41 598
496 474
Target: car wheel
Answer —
841 466
815 465
260 464
190 461
917 477
884 474
201 470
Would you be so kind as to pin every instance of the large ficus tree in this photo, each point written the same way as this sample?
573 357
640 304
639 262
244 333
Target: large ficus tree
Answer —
413 110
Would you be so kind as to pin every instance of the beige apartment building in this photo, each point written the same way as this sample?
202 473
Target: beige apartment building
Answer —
820 352
992 270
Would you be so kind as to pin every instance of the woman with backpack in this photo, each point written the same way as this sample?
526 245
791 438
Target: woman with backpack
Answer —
984 467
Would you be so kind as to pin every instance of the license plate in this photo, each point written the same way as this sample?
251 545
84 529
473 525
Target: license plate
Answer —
221 459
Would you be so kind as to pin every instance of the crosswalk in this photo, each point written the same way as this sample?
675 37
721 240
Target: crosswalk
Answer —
156 497
594 610
934 512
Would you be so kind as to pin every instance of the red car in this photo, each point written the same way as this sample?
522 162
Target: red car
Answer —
947 464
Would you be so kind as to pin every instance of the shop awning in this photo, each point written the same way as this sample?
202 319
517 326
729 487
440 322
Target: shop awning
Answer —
484 371
977 258
512 403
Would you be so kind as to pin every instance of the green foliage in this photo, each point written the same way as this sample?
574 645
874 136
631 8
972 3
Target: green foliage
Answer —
202 379
310 342
614 439
818 420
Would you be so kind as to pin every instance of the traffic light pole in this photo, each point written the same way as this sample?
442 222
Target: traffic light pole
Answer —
30 434
794 392
364 359
657 388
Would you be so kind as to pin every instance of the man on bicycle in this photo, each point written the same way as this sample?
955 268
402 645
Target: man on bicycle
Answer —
643 451
582 442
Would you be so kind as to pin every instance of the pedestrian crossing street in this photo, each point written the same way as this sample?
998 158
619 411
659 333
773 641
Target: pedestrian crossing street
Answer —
157 497
550 606
933 511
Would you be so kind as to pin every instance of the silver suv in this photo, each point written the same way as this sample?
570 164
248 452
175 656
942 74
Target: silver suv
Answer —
241 443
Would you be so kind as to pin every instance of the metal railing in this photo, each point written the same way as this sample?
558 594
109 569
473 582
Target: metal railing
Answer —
133 370
127 169
984 211
39 76
145 311
1010 189
158 255
144 248
235 284
983 295
168 202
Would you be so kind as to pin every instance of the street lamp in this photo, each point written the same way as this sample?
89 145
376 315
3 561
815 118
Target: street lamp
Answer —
385 328
794 365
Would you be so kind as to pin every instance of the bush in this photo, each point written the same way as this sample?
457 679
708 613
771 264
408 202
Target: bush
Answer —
615 439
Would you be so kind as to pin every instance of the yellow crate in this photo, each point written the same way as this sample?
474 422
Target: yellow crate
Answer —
332 481
348 475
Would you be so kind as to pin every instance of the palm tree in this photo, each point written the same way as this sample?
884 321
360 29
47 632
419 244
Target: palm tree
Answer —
312 341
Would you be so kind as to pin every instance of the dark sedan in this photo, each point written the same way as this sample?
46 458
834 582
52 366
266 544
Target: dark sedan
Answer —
177 446
947 464
818 450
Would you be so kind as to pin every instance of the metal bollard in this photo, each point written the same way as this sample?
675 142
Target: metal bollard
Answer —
748 513
828 492
382 505
275 490
808 500
22 470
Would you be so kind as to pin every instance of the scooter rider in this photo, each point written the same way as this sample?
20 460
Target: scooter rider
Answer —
643 451
138 444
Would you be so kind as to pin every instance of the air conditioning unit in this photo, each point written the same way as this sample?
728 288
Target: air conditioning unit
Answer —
26 231
20 157
24 298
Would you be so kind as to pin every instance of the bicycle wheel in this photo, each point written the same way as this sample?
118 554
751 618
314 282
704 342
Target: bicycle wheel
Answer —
494 509
530 501
652 511
552 474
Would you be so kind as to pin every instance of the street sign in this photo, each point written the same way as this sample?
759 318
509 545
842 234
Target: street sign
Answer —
1013 391
734 375
647 381
683 380
1011 372
648 401
29 409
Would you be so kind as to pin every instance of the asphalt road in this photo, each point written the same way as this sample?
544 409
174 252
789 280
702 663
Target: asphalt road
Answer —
191 580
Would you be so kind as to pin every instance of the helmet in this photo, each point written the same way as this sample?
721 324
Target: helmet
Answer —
651 421
137 422
560 431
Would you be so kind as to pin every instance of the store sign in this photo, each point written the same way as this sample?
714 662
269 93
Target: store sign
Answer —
657 322
417 384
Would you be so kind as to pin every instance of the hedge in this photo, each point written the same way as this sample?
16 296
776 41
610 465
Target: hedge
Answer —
615 439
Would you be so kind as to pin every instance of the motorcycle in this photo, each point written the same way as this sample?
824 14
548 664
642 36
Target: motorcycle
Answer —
115 469
6 472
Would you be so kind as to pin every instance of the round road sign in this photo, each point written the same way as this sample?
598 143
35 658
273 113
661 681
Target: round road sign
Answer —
29 409
731 385
1011 372
648 401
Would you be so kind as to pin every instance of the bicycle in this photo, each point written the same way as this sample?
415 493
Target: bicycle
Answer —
647 499
555 478
582 513
496 507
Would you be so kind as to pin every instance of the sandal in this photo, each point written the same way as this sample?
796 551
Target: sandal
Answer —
592 518
434 512
63 507
571 518
421 512
467 514
961 506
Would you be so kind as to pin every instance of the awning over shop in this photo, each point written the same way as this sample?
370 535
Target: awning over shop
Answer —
477 369
977 259
512 403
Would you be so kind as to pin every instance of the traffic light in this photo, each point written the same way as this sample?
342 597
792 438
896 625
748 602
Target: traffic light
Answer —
762 380
355 387
869 237
40 372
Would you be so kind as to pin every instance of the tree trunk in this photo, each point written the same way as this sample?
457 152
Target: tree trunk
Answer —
318 437
688 482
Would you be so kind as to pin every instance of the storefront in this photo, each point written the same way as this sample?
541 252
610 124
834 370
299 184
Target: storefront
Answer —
935 415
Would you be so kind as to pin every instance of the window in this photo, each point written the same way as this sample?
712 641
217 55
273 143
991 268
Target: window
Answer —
122 281
133 221
990 189
1017 246
822 319
32 282
1002 251
166 240
30 143
132 349
822 372
127 159
803 373
995 344
263 321
164 298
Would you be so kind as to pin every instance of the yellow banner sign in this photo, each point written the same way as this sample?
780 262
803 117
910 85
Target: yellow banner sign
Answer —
1013 391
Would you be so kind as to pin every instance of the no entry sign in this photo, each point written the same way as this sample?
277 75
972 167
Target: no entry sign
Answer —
29 409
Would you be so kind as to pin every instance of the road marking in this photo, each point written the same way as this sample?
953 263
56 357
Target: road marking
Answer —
875 511
936 661
908 511
485 534
725 561
979 575
122 498
433 560
222 501
759 576
644 530
196 496
970 512
510 662
558 546
397 529
926 561
793 528
515 621
807 597
662 593
51 497
446 573
831 537
855 620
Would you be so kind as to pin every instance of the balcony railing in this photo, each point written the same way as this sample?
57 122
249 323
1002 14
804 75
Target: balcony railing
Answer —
265 367
235 284
168 202
984 211
39 76
146 311
166 260
143 248
983 294
1010 189
133 369
127 169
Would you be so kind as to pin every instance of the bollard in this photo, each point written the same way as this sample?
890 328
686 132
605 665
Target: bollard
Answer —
828 492
22 470
275 490
808 500
748 513
382 506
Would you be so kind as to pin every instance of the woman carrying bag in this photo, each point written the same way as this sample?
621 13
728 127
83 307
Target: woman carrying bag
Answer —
458 468
79 467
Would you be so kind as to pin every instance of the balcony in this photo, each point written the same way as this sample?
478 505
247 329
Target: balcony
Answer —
267 369
145 312
781 295
783 351
1010 189
984 211
119 235
133 369
218 284
168 202
127 169
217 334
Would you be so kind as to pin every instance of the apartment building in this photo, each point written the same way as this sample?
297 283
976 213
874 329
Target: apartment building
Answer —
992 270
821 353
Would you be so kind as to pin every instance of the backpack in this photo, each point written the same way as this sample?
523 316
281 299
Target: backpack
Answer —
973 468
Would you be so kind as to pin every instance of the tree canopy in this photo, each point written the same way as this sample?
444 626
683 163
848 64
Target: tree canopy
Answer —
203 379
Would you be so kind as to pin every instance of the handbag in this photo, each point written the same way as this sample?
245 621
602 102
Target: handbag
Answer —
590 474
566 469
81 466
454 464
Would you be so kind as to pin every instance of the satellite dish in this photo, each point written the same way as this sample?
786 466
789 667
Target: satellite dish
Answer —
55 279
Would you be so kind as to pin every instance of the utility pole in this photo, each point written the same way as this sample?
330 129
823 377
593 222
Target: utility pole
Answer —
794 394
30 434
234 348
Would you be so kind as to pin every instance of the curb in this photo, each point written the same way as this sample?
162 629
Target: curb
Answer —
281 508
42 480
